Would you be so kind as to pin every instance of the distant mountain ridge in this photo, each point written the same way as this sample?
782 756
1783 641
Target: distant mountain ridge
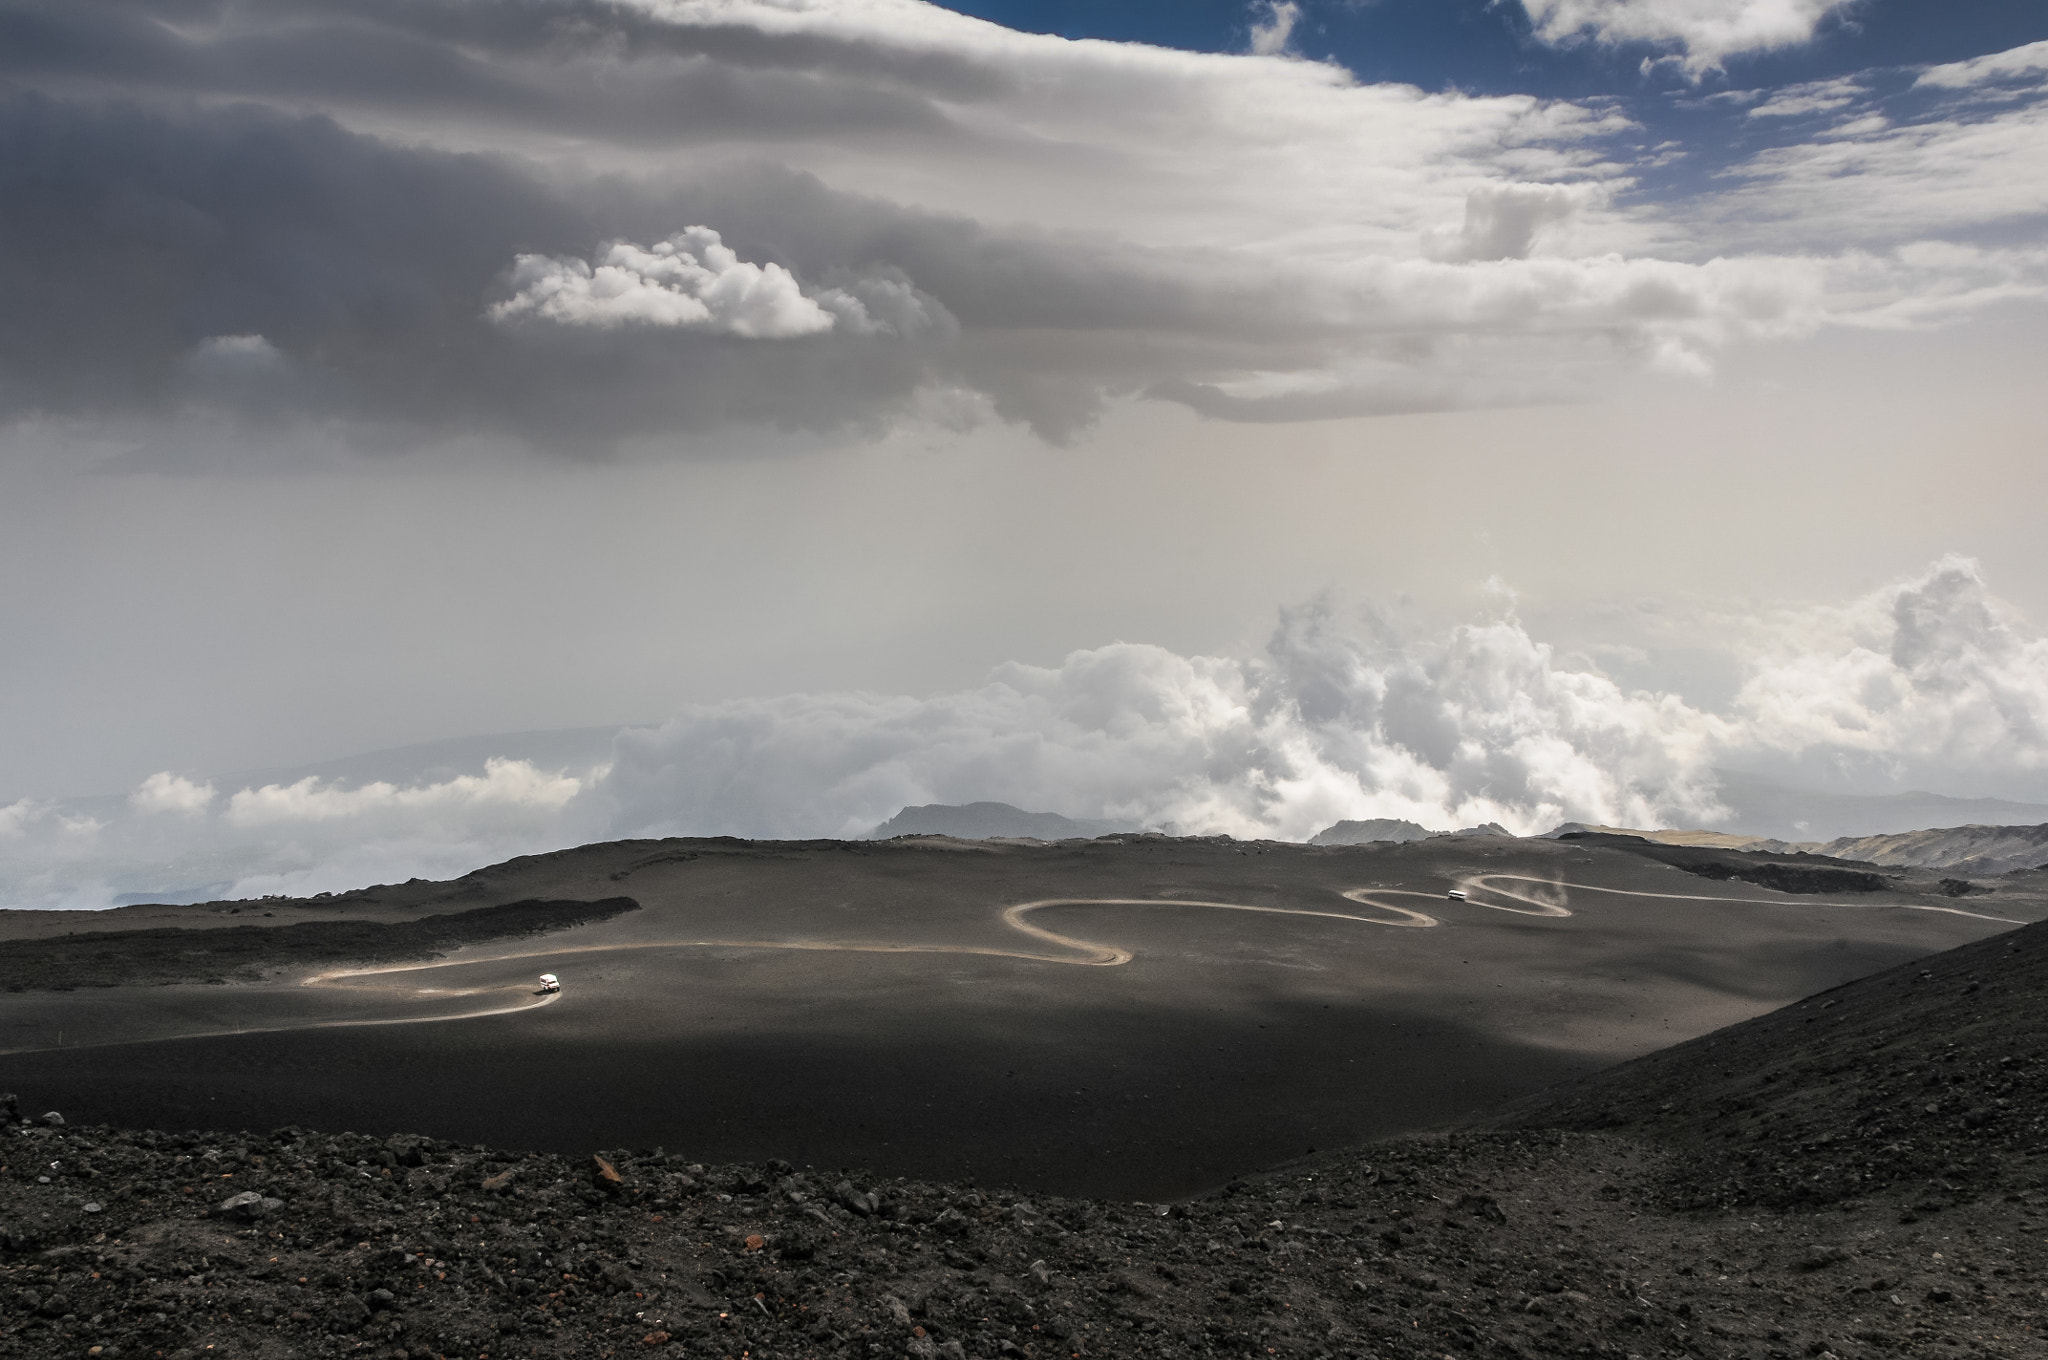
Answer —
1798 816
1967 850
1982 851
988 821
1394 829
1367 832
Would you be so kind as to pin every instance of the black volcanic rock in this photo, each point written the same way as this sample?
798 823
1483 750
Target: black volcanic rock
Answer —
1798 872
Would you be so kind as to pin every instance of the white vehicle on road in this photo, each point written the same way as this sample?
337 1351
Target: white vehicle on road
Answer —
550 983
1457 895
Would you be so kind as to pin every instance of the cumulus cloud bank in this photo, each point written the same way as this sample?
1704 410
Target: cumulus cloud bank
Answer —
1929 680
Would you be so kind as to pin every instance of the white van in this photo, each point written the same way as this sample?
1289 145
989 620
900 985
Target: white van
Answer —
1457 895
550 983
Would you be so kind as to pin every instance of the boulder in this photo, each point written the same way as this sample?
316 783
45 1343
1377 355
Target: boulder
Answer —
862 1203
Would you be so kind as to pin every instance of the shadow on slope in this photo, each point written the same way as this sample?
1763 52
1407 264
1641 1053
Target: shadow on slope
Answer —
1128 1103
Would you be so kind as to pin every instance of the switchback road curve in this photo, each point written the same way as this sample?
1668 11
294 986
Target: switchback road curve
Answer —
1521 894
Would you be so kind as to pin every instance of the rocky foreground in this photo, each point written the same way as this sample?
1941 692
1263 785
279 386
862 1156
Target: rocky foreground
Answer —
1860 1175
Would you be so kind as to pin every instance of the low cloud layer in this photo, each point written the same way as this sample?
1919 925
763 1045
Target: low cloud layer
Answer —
577 223
1926 682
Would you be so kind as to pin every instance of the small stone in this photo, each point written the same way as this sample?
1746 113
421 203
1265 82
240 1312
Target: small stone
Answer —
424 1181
247 1206
92 1207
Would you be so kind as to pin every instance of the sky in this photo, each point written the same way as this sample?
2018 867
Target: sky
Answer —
1218 416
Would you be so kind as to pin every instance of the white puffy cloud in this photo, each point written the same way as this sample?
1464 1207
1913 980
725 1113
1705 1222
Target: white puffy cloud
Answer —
167 792
691 281
1705 32
1480 726
1929 678
1484 723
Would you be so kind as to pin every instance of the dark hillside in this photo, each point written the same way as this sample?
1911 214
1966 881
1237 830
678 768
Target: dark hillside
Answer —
1798 872
1930 1078
114 958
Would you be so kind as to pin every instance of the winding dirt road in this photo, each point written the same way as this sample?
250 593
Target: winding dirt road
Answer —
1520 894
1529 896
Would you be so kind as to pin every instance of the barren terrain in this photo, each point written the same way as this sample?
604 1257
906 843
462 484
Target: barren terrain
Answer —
1011 1160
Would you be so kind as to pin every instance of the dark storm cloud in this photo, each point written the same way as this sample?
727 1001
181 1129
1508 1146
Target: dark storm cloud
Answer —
133 238
130 239
422 216
564 68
